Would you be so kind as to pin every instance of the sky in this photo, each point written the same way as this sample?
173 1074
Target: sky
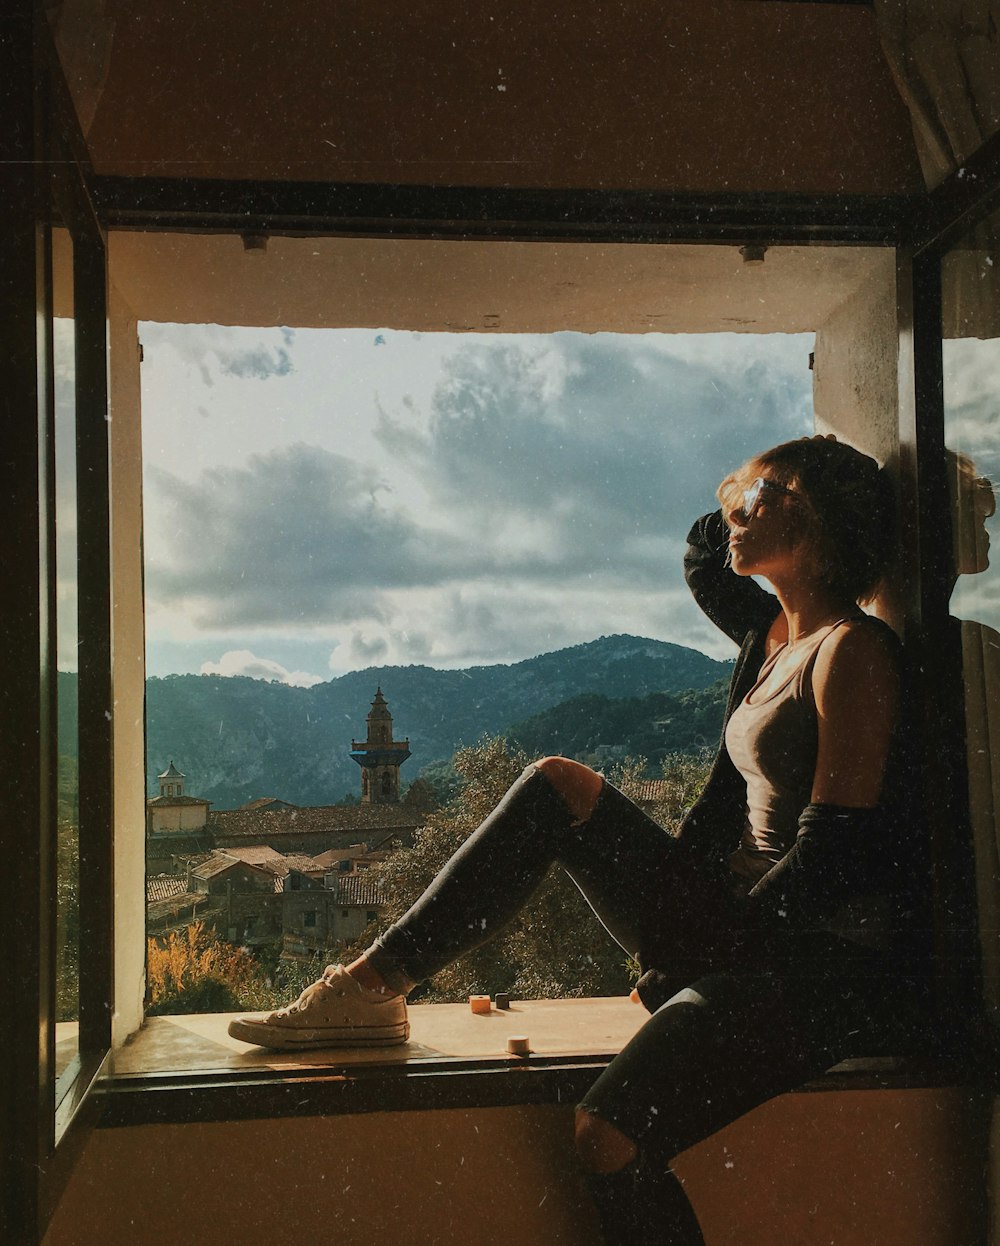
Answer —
318 501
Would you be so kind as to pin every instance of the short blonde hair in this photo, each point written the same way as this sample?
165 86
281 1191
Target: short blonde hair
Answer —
850 513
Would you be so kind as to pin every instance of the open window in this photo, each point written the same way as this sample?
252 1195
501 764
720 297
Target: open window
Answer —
633 369
855 373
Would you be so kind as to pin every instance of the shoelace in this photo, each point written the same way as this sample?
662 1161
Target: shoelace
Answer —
301 1004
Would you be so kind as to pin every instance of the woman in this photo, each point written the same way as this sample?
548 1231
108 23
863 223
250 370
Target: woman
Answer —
760 929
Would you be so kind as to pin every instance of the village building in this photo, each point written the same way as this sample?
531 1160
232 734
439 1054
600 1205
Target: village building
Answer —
180 827
257 895
170 905
173 812
272 871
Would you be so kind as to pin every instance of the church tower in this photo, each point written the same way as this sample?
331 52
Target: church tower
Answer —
172 781
380 756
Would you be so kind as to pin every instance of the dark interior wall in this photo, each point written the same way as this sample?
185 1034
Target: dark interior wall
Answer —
714 95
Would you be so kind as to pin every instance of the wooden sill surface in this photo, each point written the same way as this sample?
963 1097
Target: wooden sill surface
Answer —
185 1068
438 1032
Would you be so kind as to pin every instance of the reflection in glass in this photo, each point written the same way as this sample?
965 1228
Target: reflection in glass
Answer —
971 356
67 637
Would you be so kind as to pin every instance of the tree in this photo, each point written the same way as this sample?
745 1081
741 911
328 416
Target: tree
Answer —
442 778
683 777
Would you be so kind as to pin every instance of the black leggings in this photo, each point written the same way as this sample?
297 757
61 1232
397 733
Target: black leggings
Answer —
736 1032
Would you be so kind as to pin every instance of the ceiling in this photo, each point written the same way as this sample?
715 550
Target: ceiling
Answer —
695 95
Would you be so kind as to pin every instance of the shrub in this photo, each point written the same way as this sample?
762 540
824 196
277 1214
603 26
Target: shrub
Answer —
193 970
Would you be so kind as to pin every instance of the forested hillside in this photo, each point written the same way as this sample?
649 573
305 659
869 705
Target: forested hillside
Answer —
598 729
237 738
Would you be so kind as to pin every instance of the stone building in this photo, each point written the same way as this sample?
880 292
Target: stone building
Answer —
272 870
174 812
256 895
380 756
179 827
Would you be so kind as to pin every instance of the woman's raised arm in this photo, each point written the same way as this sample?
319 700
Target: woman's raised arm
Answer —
735 604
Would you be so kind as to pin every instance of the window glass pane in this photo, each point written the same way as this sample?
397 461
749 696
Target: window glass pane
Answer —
67 638
971 355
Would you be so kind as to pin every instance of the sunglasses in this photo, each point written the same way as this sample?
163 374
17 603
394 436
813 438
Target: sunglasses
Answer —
753 496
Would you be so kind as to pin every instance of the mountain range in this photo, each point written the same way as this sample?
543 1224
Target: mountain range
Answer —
237 738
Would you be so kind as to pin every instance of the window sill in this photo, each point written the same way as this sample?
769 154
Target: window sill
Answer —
187 1068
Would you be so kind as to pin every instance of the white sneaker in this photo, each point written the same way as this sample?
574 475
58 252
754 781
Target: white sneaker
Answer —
335 1011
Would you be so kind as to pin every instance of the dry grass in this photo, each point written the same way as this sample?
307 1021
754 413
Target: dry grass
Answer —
194 964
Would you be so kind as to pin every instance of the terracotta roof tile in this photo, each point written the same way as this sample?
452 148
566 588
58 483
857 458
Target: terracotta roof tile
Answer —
363 820
281 865
160 802
256 854
303 863
360 890
163 886
351 853
651 790
217 864
175 906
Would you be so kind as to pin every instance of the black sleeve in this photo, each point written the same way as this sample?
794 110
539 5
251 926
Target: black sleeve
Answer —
830 863
734 603
836 857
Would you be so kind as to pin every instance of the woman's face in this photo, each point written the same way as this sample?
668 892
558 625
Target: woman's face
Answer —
767 531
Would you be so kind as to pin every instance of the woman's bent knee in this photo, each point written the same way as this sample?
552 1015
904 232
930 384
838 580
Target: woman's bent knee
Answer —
601 1146
577 784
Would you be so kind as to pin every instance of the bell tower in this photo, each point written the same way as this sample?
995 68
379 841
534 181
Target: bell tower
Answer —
171 781
380 756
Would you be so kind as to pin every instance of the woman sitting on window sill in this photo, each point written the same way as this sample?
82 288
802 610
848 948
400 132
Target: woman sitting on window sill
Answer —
765 927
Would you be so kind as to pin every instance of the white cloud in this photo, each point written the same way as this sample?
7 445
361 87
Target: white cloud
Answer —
299 536
480 623
536 494
359 651
243 662
972 408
